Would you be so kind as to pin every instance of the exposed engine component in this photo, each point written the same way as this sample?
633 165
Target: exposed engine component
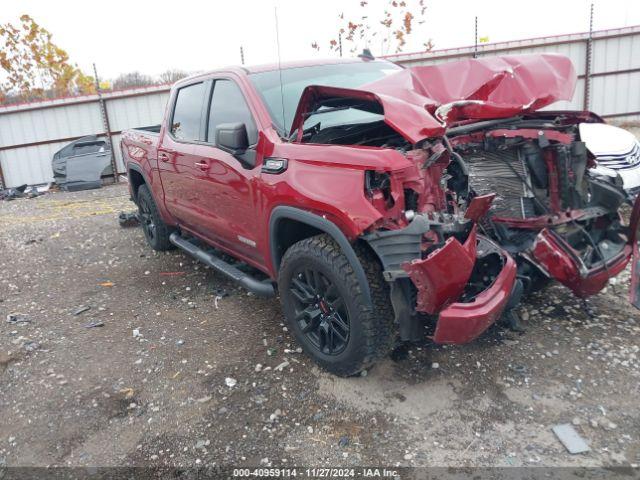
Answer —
527 183
506 173
532 177
546 196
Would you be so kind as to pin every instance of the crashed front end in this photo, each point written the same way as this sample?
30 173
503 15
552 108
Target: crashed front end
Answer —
553 212
494 196
440 268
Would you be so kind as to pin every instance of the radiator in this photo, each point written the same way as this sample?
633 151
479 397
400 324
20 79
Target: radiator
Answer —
502 173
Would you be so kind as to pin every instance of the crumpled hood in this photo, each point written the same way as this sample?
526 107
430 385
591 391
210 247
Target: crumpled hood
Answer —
420 102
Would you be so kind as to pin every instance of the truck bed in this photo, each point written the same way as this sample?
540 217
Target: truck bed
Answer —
153 129
144 139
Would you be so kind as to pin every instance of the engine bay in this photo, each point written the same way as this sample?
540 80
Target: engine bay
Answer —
537 171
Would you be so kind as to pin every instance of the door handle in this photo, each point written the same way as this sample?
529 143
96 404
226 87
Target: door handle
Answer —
163 157
202 165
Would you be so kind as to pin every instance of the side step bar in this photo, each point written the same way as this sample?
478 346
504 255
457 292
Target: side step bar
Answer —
260 288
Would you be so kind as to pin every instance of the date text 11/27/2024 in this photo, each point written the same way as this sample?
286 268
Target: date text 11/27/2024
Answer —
363 472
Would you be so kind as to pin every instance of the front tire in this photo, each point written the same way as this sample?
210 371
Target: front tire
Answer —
155 230
325 307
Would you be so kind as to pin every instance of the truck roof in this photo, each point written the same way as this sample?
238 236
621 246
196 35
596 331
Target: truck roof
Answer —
268 67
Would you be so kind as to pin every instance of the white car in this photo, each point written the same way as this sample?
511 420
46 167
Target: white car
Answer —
617 152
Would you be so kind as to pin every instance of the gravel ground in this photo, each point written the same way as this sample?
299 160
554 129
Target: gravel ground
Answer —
187 369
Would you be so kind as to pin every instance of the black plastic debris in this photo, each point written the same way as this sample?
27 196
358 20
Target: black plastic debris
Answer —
128 220
220 292
13 193
32 192
82 309
15 318
24 191
94 324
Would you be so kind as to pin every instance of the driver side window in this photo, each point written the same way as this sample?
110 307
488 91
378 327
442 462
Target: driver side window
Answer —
185 123
229 106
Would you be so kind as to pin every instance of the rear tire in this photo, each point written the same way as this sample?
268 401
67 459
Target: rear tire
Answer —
155 230
325 307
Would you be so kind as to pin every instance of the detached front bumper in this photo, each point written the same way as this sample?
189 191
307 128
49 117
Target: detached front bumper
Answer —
463 322
465 284
557 259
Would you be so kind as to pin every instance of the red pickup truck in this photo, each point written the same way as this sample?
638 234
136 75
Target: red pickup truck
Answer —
383 204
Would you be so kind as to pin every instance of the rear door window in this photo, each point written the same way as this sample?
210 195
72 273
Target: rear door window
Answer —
185 124
229 106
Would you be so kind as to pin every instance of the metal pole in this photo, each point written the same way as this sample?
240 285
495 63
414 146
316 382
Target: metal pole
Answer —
475 42
241 55
2 185
588 61
105 123
340 43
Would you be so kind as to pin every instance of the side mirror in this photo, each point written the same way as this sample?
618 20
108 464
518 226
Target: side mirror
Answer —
232 137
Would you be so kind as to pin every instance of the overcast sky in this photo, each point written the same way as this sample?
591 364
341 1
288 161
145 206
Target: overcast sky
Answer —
153 36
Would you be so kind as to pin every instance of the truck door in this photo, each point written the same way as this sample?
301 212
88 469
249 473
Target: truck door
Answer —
176 159
224 186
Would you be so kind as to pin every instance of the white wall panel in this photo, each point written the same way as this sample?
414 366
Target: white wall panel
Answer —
615 94
116 148
138 111
49 124
31 164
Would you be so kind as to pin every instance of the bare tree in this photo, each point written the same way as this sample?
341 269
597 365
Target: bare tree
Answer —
131 80
172 76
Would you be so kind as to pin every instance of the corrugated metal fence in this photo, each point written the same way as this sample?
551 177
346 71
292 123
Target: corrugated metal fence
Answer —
607 63
31 133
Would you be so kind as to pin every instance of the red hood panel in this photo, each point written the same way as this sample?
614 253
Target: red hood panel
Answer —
409 119
416 99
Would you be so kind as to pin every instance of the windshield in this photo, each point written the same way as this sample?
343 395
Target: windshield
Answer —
295 80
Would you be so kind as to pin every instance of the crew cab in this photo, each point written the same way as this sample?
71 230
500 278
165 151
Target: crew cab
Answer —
382 204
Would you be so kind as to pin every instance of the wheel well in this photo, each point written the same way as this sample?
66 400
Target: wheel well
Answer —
288 232
289 225
136 180
363 245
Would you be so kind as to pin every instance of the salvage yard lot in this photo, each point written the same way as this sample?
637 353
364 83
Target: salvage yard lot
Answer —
189 369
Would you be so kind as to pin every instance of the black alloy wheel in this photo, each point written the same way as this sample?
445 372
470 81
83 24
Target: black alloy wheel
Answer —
155 230
146 220
320 311
326 308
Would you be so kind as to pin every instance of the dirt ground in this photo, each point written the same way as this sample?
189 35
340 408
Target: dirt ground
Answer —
182 374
